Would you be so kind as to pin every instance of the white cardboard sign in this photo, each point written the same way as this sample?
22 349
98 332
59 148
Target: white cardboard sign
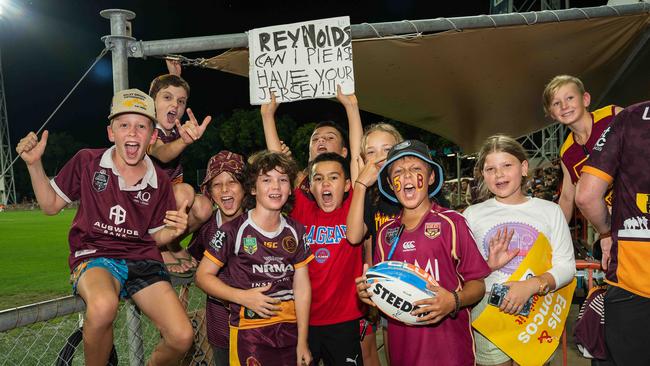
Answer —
299 61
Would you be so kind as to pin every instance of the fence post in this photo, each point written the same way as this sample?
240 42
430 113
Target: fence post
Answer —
134 335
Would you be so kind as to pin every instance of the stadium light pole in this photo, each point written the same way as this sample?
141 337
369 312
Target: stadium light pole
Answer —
7 182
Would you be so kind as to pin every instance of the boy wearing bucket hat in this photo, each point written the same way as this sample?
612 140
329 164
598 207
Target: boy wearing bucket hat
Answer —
437 240
126 210
223 185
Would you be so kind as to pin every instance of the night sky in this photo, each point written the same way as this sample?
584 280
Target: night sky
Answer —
48 46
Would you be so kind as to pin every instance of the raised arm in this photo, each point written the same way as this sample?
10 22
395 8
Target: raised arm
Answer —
568 194
355 128
271 137
356 228
31 151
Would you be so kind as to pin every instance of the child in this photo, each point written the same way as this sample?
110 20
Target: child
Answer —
335 308
223 185
502 168
328 136
266 260
566 101
170 93
444 247
126 210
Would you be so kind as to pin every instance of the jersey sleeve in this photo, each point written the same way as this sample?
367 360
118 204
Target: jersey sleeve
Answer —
67 184
605 157
471 265
221 247
563 260
166 202
303 252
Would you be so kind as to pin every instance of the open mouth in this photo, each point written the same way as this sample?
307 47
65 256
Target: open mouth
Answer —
171 117
501 185
327 197
321 148
227 202
409 190
275 197
131 149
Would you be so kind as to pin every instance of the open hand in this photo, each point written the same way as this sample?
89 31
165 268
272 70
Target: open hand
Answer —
269 109
264 306
499 255
368 171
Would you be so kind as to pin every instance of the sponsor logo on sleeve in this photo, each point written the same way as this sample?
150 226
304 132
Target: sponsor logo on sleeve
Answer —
217 240
598 146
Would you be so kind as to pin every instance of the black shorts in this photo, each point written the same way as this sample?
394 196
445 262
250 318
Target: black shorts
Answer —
627 320
336 344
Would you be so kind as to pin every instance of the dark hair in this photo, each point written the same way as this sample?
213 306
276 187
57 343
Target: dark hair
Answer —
262 162
167 80
337 127
330 156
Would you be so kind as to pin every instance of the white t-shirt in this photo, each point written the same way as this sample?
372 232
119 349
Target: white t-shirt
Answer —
528 219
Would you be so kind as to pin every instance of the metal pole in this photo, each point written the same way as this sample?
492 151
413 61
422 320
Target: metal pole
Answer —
118 42
143 49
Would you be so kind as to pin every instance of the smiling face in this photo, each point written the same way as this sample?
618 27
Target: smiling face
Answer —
409 178
170 106
328 184
272 189
568 105
228 194
378 144
326 139
502 173
132 133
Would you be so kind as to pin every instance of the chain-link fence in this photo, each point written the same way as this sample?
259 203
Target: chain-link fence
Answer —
47 333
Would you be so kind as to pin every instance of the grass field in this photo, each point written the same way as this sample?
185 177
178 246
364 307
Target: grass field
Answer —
34 259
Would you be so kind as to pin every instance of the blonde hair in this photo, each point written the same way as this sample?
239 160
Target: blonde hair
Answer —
498 143
556 83
381 127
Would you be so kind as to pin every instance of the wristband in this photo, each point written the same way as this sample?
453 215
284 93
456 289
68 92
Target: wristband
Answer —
606 235
456 306
357 181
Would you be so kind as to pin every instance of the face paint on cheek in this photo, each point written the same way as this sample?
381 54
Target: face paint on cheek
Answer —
397 185
420 181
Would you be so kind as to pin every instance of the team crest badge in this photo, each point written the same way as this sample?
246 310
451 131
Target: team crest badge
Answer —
289 244
100 180
250 245
432 230
391 234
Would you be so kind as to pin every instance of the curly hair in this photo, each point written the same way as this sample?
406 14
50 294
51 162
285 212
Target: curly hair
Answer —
262 162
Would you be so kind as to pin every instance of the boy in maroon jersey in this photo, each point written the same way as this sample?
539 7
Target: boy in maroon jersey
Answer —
266 260
566 101
126 210
170 93
439 241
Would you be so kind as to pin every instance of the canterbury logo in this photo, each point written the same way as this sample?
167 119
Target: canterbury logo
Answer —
408 245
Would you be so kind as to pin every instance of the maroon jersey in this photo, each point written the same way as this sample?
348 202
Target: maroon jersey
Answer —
256 258
574 155
216 313
173 169
443 245
621 157
113 220
336 262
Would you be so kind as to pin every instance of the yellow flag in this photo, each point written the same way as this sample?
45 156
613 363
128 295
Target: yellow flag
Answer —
530 340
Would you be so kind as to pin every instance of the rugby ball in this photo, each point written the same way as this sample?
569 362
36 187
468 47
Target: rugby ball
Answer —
395 286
